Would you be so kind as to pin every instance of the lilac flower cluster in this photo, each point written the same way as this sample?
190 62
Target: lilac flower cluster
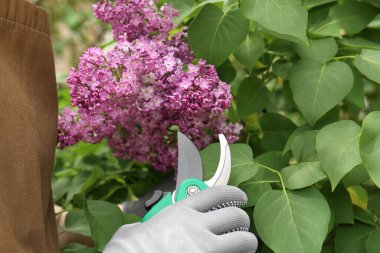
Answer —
136 18
137 94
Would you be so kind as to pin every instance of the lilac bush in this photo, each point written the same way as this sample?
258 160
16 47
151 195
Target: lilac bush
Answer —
148 85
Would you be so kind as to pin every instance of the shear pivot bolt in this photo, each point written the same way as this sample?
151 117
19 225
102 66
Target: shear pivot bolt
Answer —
192 189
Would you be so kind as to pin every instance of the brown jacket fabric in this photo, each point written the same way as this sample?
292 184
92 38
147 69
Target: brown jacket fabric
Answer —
28 122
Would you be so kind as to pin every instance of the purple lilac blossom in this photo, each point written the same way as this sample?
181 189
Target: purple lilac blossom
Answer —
134 94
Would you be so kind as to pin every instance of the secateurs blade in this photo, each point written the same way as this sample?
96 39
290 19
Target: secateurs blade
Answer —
190 175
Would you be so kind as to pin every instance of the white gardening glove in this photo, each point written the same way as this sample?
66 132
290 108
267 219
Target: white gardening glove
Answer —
209 221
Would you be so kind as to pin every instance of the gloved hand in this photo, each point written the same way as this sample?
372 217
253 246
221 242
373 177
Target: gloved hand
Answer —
209 221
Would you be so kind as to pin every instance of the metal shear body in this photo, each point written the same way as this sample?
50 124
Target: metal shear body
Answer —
190 175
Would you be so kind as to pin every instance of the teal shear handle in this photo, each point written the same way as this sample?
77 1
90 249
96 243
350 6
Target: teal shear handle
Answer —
187 188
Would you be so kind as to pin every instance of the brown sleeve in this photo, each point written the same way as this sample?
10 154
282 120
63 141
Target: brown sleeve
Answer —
28 121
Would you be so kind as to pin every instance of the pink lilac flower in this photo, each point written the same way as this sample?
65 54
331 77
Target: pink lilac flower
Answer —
136 18
135 94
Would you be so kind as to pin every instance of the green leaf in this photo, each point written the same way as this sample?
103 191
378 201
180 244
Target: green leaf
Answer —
356 95
340 203
321 50
76 222
351 239
214 35
359 196
280 47
359 42
341 157
77 248
185 8
226 72
250 50
96 175
131 218
321 24
363 215
303 146
357 175
370 146
104 219
277 129
353 16
292 221
374 203
253 96
372 242
375 3
318 88
368 63
273 159
256 187
76 184
243 167
302 175
285 19
298 131
281 68
60 187
314 3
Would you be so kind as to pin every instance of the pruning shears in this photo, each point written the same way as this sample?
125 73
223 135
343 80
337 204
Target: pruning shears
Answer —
190 175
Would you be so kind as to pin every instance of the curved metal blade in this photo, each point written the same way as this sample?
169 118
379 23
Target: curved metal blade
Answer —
189 160
222 173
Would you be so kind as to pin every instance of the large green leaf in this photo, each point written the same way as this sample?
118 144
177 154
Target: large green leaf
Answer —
314 3
273 159
214 35
318 88
256 187
104 219
321 50
353 16
294 221
303 146
277 129
368 63
302 175
357 175
76 222
351 239
298 131
226 72
340 204
359 42
372 242
243 167
250 50
364 216
320 24
286 19
253 96
370 146
356 95
338 149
